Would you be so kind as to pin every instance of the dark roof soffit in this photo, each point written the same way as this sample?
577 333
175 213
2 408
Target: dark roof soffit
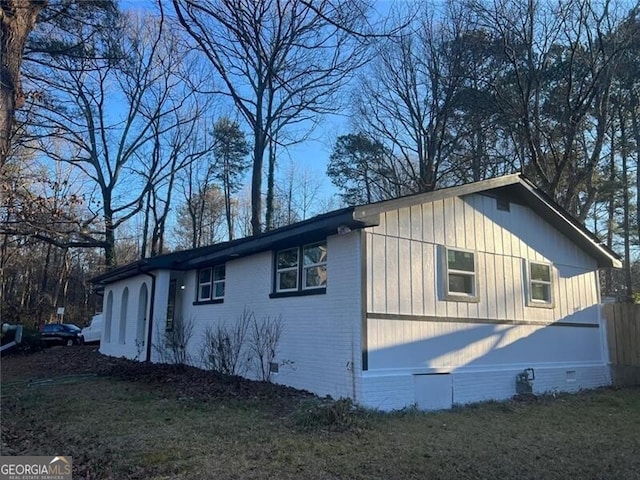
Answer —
313 229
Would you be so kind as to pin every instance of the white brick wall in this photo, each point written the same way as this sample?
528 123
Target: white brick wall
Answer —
397 391
498 385
388 392
132 348
321 340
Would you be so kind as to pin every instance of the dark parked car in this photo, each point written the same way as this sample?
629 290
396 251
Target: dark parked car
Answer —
61 334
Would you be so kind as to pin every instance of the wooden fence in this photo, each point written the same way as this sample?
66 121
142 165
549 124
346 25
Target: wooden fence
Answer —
623 337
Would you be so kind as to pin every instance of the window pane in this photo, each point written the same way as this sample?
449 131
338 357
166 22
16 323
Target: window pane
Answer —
316 276
540 272
541 291
288 280
219 286
205 292
204 276
459 283
315 254
288 258
460 260
219 273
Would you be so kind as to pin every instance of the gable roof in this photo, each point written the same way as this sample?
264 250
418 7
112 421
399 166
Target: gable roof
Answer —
518 188
351 218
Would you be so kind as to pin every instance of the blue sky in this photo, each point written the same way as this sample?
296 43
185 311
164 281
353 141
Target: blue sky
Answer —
312 154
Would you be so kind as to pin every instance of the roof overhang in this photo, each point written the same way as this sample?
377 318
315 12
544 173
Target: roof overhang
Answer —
564 222
308 231
352 218
312 230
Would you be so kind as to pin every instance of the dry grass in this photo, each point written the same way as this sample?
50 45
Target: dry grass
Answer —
117 428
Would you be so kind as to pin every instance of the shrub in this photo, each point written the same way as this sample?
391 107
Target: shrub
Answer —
173 345
224 346
328 414
31 341
263 342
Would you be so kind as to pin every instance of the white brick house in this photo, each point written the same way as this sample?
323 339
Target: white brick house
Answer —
432 300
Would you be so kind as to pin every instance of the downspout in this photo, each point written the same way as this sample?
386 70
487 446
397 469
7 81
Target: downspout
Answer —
151 313
361 339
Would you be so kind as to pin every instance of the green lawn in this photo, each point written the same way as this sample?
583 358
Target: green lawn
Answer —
120 429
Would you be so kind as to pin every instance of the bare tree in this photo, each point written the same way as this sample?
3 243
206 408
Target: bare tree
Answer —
405 98
558 65
201 217
139 67
41 207
297 194
25 28
282 62
180 146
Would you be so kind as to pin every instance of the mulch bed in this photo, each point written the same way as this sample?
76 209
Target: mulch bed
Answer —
182 380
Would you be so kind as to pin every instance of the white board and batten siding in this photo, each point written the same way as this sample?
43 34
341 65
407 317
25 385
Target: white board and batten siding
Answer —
473 350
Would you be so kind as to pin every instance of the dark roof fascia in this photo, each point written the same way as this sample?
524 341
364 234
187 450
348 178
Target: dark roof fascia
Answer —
374 209
307 231
118 273
566 223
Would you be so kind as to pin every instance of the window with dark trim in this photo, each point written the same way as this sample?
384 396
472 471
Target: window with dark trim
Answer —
211 283
287 262
314 266
301 270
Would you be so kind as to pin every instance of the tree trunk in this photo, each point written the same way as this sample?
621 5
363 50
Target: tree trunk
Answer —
227 198
635 123
145 227
110 244
256 186
17 20
624 153
45 272
611 207
3 260
270 186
